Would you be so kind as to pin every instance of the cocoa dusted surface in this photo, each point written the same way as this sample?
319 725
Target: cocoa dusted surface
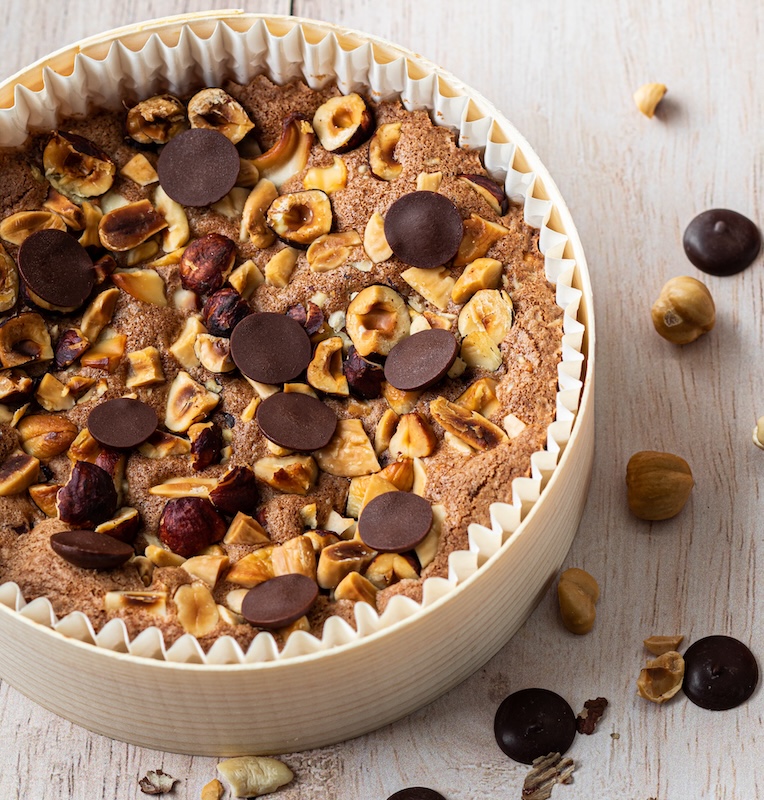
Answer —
465 484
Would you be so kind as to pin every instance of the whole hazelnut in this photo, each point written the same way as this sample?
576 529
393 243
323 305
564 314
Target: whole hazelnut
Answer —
223 311
683 311
189 524
88 498
658 484
206 263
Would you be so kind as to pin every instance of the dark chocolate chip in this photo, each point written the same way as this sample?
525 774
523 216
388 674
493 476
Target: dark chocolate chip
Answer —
90 550
122 423
279 601
416 793
56 268
719 673
395 522
296 421
270 348
532 723
721 242
421 360
424 229
198 167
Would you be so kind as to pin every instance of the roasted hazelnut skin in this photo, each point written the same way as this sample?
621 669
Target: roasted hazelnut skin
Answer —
88 498
206 263
236 491
311 318
364 377
189 524
69 347
206 447
223 311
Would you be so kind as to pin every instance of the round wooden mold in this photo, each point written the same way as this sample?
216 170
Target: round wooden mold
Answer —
282 706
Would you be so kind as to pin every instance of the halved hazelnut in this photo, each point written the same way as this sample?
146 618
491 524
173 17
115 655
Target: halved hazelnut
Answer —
99 313
69 347
349 453
289 474
15 386
145 285
480 396
245 530
413 438
223 311
327 179
46 435
206 263
435 285
469 426
343 123
123 526
216 110
382 152
389 568
490 311
156 120
140 170
491 192
300 218
279 268
364 377
399 401
70 212
325 370
295 556
331 250
43 495
77 167
290 154
377 320
479 351
130 225
338 560
214 353
374 240
246 278
248 175
17 473
385 429
235 491
196 609
18 227
177 232
144 368
183 347
154 603
483 273
106 353
9 281
187 402
478 238
24 339
253 223
88 498
162 445
253 569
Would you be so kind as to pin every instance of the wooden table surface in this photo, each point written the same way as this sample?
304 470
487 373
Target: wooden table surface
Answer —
564 73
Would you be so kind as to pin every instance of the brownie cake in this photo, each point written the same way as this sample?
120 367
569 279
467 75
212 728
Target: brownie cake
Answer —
266 352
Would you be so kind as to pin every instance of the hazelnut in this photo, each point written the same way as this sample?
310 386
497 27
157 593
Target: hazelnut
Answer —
145 285
758 433
156 120
491 192
483 273
356 588
213 790
88 498
177 232
429 181
327 179
385 429
124 526
479 351
658 645
206 263
290 153
17 473
161 445
69 347
280 266
84 448
468 426
24 339
196 609
70 212
183 347
296 555
253 569
43 495
207 568
375 242
343 123
93 216
245 530
480 396
140 170
252 776
184 487
648 96
144 368
154 603
331 250
435 285
106 353
216 110
382 152
246 278
77 167
253 224
683 311
232 205
9 281
658 484
214 353
129 225
478 238
236 491
662 678
18 227
46 435
206 444
321 539
187 402
300 218
413 437
338 560
189 524
15 386
99 313
389 568
289 474
223 311
325 370
399 401
577 593
377 320
490 311
311 317
160 557
364 377
349 453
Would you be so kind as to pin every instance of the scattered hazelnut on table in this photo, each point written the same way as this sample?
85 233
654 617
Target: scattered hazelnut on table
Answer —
683 311
662 678
648 96
658 484
577 593
758 433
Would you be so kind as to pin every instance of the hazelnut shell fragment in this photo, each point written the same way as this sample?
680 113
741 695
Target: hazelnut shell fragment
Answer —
662 678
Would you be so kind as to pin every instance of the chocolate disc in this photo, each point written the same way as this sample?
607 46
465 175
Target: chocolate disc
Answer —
56 268
416 793
719 673
270 348
90 550
279 601
533 723
198 167
721 242
296 421
122 423
424 229
421 360
395 522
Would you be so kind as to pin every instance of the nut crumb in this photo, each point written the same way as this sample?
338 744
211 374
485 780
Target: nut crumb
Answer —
615 735
547 771
157 782
593 710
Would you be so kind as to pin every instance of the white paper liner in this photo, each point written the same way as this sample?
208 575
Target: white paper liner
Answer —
227 53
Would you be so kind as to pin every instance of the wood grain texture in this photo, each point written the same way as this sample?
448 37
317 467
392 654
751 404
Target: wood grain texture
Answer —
563 74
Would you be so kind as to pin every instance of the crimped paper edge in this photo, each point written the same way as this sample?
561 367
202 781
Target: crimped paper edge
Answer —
228 53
